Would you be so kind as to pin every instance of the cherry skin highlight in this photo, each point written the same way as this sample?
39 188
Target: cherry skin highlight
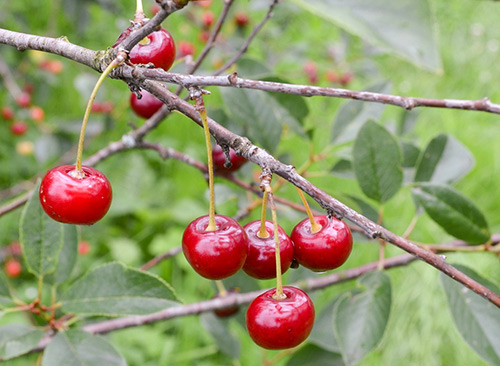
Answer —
219 159
261 259
157 48
146 106
280 324
71 200
327 249
215 254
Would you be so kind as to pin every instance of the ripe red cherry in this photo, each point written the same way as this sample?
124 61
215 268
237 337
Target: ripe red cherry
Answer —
146 106
185 48
72 200
7 113
261 259
215 254
327 249
227 311
219 159
23 100
13 268
19 128
241 19
37 113
158 48
207 19
83 248
280 324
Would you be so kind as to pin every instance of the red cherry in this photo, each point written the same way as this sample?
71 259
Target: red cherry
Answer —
207 19
204 36
155 8
311 70
227 311
37 113
280 324
23 100
185 48
13 268
327 249
215 254
158 48
7 113
146 106
241 19
346 78
219 159
261 259
203 3
72 200
19 128
83 248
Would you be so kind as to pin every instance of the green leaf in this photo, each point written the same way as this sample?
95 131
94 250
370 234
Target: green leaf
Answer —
455 213
67 256
18 339
353 114
407 122
445 160
41 237
411 154
253 69
364 208
343 169
5 295
314 355
79 348
477 319
322 334
114 290
404 28
227 343
377 162
360 318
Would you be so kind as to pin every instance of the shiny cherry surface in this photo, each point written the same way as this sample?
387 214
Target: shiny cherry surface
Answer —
215 254
72 200
159 48
146 106
261 259
327 249
280 324
219 158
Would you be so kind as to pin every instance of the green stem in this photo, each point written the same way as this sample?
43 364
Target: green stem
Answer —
40 288
78 171
263 232
220 288
200 106
315 227
139 8
279 294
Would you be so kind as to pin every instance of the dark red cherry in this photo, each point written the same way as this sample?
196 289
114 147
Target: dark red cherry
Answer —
219 159
7 113
215 254
227 311
72 200
23 100
261 259
19 128
158 48
146 106
327 249
280 324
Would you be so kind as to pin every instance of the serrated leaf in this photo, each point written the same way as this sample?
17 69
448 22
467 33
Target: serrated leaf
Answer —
227 343
67 256
353 114
114 289
79 348
314 355
445 160
18 339
41 237
454 212
477 319
360 318
405 28
377 162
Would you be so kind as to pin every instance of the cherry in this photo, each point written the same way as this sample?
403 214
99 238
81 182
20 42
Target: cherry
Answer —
207 19
278 324
346 78
23 100
25 148
146 106
261 259
241 19
19 128
157 48
72 200
326 249
13 268
215 254
37 113
311 70
7 113
204 36
185 48
219 159
227 311
83 248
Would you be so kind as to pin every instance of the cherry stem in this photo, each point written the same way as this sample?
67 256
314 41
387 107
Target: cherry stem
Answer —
279 294
220 287
315 227
263 232
200 106
78 171
139 9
